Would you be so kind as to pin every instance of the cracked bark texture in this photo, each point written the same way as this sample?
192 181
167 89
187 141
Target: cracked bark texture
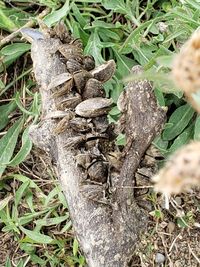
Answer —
107 233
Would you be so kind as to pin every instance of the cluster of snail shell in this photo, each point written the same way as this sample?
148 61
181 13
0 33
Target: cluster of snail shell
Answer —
79 93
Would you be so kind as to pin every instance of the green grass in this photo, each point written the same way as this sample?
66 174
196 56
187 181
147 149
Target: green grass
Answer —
33 210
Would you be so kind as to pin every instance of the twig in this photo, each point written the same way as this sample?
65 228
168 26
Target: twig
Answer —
30 23
173 243
165 248
194 255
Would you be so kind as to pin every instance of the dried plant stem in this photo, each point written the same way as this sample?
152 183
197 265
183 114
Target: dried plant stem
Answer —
30 24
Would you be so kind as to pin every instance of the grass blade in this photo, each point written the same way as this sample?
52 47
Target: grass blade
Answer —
36 237
24 151
8 143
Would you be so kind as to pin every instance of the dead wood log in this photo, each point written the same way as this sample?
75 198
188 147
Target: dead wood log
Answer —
107 233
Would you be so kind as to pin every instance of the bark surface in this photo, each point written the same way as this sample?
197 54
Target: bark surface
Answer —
107 233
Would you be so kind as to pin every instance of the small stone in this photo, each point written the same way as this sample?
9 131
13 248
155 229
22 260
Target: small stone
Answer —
159 258
171 227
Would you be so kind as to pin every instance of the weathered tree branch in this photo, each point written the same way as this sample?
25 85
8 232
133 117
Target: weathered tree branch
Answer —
107 233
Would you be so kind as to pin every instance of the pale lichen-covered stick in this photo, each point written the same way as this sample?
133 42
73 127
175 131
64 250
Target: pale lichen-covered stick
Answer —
105 216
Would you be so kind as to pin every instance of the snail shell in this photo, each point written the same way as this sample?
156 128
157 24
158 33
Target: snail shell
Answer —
88 63
93 88
80 79
105 71
73 65
98 172
93 107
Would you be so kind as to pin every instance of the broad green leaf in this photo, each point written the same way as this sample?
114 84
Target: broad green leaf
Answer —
24 150
8 143
18 16
121 140
79 17
180 118
185 220
81 261
79 32
182 139
12 49
75 247
114 111
160 144
51 221
18 50
30 216
108 34
6 23
124 64
27 247
121 7
160 97
36 237
57 15
8 262
113 88
157 214
5 216
94 47
197 129
154 29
